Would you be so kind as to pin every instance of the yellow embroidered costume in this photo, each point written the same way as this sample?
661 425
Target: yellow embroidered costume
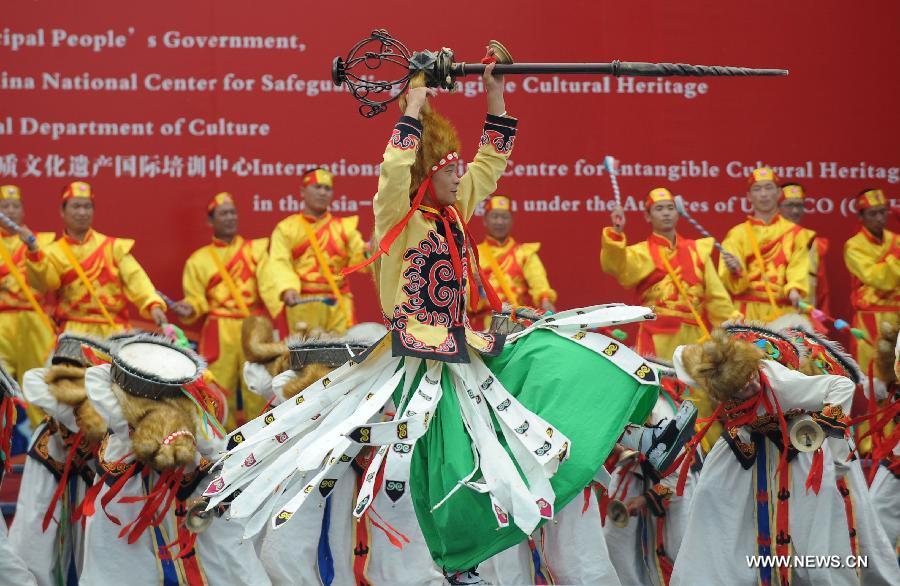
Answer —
514 269
219 283
94 279
678 280
26 332
775 259
874 266
313 269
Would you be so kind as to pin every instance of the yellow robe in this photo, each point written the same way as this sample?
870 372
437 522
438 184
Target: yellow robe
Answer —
425 304
25 339
524 273
784 247
640 267
213 302
114 273
875 287
292 264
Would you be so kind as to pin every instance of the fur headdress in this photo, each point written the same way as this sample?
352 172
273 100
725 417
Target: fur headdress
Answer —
258 342
723 365
66 383
439 138
885 363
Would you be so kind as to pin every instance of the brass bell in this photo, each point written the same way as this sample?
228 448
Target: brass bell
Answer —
618 513
806 435
198 519
501 54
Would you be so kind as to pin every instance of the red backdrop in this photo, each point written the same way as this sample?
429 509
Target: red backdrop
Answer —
835 112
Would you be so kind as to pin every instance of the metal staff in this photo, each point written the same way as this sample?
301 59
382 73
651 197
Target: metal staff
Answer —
610 163
13 227
682 211
440 70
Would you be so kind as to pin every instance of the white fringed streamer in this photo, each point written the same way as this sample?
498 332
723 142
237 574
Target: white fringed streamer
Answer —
421 405
596 316
311 451
626 359
367 490
501 477
527 435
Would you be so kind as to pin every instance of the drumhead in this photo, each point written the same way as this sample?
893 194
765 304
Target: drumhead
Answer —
164 363
152 367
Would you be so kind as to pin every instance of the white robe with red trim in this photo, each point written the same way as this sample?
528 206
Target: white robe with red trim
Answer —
721 531
37 548
224 557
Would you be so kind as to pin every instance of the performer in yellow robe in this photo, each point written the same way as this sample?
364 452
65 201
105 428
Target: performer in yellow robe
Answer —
93 275
673 274
873 258
514 269
27 333
766 269
793 209
219 283
304 278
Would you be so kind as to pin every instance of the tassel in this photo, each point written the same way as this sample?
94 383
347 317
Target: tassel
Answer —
539 579
63 480
7 423
88 504
814 479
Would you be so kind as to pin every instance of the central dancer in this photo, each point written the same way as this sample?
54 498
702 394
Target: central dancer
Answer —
491 434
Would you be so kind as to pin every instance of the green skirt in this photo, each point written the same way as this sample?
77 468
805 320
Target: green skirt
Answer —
585 396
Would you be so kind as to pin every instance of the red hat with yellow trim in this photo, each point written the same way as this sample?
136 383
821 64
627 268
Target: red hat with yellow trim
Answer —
498 202
218 199
317 176
793 191
77 189
10 192
761 174
870 198
657 195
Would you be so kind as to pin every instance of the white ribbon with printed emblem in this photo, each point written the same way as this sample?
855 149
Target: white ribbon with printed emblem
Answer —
309 453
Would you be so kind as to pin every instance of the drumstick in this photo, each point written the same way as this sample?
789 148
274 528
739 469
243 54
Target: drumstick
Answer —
610 163
13 227
682 211
326 300
168 300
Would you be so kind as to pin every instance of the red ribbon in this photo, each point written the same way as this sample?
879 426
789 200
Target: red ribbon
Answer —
814 478
63 479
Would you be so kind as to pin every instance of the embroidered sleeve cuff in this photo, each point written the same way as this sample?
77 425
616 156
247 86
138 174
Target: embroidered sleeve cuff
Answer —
501 120
406 133
657 498
832 420
500 133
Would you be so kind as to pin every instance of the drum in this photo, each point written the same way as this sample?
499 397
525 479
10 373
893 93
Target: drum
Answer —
70 349
503 322
327 352
152 367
